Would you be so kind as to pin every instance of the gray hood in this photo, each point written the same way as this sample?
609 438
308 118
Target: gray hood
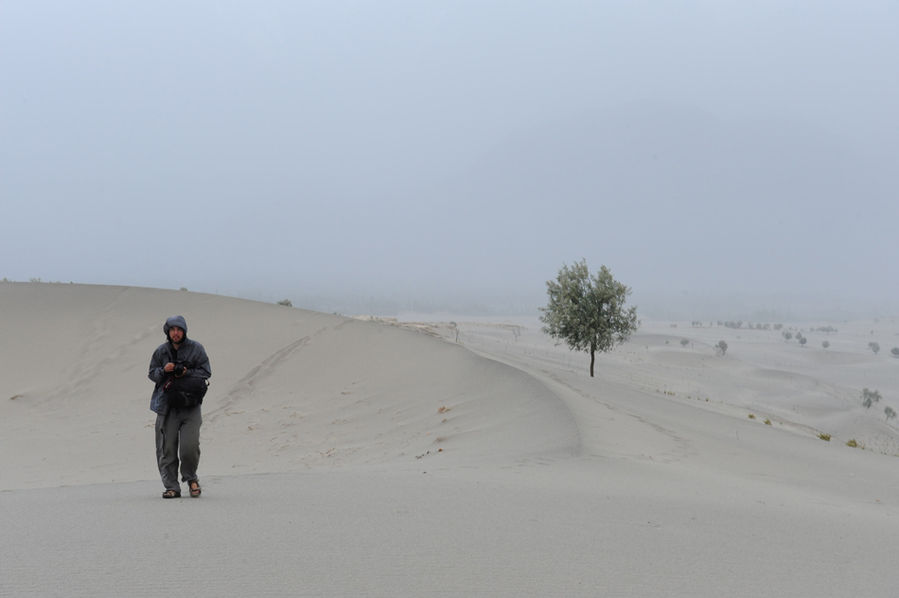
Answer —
174 321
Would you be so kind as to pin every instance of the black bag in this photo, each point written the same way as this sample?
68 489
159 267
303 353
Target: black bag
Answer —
187 391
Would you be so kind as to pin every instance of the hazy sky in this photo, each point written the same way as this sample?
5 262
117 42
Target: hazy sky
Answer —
353 155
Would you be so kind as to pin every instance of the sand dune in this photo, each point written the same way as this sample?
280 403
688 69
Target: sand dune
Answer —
290 388
344 457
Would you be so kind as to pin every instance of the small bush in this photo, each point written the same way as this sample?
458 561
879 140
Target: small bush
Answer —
751 416
285 303
767 422
825 344
684 342
895 351
874 347
869 397
852 443
721 348
824 437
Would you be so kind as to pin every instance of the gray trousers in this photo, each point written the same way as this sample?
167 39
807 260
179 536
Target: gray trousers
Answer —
178 434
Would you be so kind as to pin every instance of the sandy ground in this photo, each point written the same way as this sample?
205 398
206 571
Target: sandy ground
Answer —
344 457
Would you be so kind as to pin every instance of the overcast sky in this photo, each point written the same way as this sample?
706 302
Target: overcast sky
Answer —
378 154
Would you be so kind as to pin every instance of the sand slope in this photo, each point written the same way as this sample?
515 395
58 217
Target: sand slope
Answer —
324 473
290 388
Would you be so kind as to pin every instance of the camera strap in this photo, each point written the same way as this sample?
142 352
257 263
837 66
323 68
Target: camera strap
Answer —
173 357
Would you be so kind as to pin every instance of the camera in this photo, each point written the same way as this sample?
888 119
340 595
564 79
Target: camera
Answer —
180 370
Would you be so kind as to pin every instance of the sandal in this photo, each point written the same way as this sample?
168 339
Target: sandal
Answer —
171 494
195 489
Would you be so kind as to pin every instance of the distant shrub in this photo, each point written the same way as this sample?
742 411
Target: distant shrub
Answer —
890 413
895 351
721 348
869 397
824 437
825 344
285 303
752 416
852 442
787 335
802 341
874 347
684 342
767 422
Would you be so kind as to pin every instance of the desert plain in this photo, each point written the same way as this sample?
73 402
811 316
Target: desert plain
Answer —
444 455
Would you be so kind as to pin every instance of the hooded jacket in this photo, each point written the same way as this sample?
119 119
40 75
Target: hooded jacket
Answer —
190 353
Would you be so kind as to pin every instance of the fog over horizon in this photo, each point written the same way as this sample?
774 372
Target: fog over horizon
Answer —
723 159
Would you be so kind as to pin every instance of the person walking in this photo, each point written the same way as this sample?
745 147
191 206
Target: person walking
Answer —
180 368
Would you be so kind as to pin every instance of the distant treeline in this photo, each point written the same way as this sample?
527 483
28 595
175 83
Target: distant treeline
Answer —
739 324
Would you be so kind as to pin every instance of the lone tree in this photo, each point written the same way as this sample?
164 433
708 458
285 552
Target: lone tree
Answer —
588 313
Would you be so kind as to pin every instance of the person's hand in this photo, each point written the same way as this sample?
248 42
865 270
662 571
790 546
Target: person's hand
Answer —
169 367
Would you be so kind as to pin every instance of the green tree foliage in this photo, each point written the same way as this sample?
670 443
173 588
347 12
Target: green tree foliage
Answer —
588 313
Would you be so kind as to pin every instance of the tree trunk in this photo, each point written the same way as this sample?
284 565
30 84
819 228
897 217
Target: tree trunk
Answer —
592 360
